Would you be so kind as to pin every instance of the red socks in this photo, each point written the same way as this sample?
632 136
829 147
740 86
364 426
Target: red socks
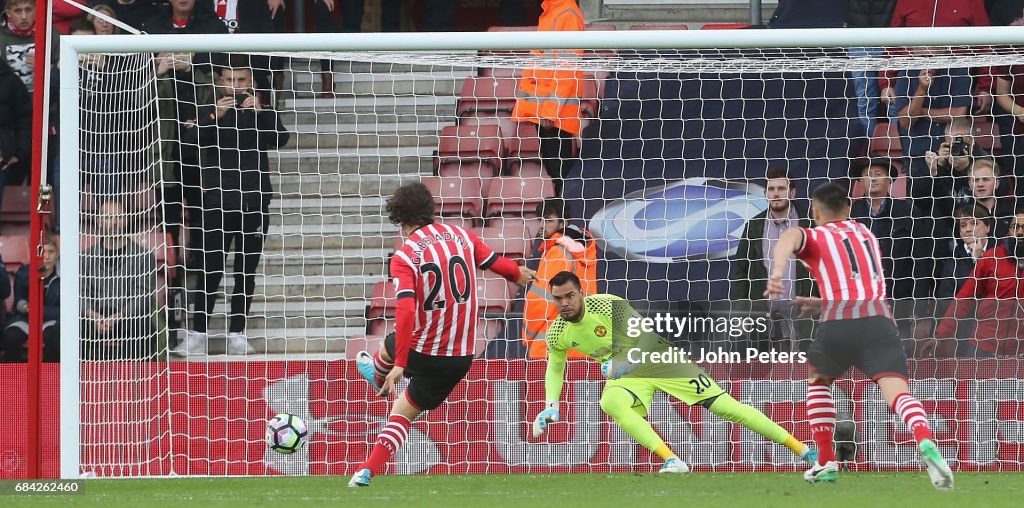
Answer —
381 368
821 411
912 413
388 442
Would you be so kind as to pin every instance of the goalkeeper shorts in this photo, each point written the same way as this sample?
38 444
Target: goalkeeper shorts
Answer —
431 378
691 391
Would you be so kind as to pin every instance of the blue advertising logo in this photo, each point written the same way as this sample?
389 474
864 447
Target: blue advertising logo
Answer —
695 218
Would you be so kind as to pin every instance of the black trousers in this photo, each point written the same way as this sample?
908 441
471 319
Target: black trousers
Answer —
15 341
556 149
131 339
229 228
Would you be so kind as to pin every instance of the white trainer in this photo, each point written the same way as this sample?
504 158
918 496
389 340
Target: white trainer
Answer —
827 473
238 344
194 345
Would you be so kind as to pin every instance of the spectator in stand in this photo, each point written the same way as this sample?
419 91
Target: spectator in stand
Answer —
902 237
753 262
15 335
17 39
939 181
550 98
1009 115
15 125
983 180
565 248
64 14
868 14
184 81
941 13
251 17
993 293
925 102
351 22
239 130
118 287
974 238
134 13
102 26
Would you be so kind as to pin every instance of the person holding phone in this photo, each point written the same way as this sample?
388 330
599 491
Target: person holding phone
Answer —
235 134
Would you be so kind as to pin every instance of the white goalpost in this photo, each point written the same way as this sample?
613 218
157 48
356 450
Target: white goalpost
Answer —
679 130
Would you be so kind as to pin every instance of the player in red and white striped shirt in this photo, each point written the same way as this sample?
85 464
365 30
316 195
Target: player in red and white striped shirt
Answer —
857 328
435 321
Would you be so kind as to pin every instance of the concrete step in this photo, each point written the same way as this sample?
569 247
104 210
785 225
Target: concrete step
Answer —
301 341
314 184
369 160
377 105
292 239
329 204
257 322
359 287
331 135
371 263
391 83
325 218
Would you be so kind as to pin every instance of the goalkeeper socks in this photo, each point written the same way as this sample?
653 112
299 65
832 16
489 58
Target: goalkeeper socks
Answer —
912 413
797 446
821 411
665 452
381 368
748 416
388 442
617 403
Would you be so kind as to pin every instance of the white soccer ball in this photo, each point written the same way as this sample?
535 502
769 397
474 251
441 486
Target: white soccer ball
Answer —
286 433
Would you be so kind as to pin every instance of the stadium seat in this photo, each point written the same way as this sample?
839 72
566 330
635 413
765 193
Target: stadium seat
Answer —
470 149
493 293
519 138
453 195
986 135
671 26
382 301
725 26
517 196
15 251
500 72
17 205
602 27
886 141
511 237
487 96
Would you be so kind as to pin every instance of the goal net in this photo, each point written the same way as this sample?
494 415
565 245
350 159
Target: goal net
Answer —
225 260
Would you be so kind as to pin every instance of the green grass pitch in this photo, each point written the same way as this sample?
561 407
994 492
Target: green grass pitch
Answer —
700 490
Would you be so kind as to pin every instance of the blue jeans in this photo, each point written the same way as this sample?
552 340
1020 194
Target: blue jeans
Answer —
865 85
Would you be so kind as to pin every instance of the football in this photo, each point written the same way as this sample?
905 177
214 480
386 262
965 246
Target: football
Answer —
286 433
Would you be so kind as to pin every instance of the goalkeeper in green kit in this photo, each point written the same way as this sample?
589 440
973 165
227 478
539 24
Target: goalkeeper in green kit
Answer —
588 324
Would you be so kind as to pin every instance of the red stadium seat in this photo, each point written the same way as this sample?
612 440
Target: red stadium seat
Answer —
493 293
517 196
478 145
671 26
725 26
510 236
886 140
15 251
487 96
454 195
17 205
986 135
501 72
602 27
382 301
520 139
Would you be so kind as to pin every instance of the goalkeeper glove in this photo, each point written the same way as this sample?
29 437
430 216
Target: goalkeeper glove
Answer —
548 415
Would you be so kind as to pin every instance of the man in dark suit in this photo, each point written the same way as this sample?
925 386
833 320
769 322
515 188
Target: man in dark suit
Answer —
902 235
753 257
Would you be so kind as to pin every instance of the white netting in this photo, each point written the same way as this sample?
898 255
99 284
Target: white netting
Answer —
669 167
